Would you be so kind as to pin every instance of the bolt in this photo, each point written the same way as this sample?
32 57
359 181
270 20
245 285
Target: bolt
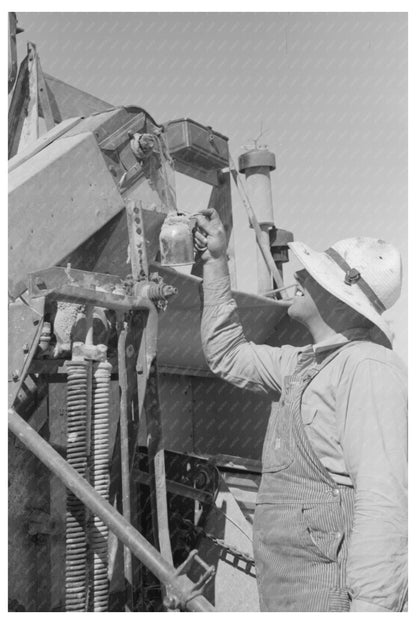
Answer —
170 602
25 348
15 375
168 290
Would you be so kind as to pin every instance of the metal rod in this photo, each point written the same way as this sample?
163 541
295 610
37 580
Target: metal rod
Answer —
89 326
158 496
124 454
276 290
179 489
139 546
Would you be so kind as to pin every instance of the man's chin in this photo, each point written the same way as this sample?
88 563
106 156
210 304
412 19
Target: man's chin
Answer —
291 311
295 314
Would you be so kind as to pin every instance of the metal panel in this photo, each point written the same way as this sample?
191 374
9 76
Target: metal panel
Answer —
175 395
25 324
67 101
179 347
228 420
42 142
107 251
57 199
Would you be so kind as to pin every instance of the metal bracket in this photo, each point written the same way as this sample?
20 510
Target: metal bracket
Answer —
171 600
107 291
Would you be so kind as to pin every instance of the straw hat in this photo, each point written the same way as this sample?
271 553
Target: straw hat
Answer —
364 273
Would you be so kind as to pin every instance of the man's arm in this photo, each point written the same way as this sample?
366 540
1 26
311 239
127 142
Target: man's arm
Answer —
375 450
228 353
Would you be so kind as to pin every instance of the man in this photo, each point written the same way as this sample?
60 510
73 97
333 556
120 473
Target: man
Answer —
331 521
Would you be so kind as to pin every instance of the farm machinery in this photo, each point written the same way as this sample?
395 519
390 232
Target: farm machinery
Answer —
133 471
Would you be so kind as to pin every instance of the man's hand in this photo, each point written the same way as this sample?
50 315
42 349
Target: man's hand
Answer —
209 237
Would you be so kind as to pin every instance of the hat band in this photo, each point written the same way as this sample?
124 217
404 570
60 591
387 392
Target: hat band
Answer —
352 276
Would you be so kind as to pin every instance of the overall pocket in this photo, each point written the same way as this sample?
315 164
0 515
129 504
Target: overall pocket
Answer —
278 443
321 530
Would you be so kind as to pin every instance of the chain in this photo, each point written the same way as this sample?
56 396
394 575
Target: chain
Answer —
232 550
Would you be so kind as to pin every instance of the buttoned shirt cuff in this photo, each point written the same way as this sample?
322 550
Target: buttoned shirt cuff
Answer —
363 605
217 291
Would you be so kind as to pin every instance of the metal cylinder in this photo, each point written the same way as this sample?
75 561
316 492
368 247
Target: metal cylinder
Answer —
256 164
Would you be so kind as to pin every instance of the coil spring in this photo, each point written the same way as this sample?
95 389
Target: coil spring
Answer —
101 481
76 542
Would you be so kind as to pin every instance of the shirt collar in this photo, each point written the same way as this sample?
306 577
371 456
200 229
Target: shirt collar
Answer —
358 333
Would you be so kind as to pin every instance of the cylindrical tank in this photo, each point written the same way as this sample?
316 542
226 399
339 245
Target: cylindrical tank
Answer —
256 164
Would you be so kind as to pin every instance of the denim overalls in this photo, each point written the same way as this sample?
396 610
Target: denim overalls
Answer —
303 518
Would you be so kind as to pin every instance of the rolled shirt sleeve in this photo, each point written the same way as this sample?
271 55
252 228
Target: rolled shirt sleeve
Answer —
229 355
374 442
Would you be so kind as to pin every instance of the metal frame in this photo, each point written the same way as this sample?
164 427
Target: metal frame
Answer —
180 591
77 285
30 100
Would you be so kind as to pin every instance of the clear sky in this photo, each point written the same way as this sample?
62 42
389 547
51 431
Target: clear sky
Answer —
329 90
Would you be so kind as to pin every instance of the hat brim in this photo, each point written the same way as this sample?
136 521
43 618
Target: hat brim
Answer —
331 277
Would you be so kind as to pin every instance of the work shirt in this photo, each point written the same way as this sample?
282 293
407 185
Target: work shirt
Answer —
355 416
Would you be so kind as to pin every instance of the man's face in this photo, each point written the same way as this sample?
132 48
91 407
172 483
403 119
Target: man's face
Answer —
309 297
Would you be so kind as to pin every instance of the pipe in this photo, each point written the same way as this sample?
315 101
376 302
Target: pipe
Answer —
140 547
124 454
